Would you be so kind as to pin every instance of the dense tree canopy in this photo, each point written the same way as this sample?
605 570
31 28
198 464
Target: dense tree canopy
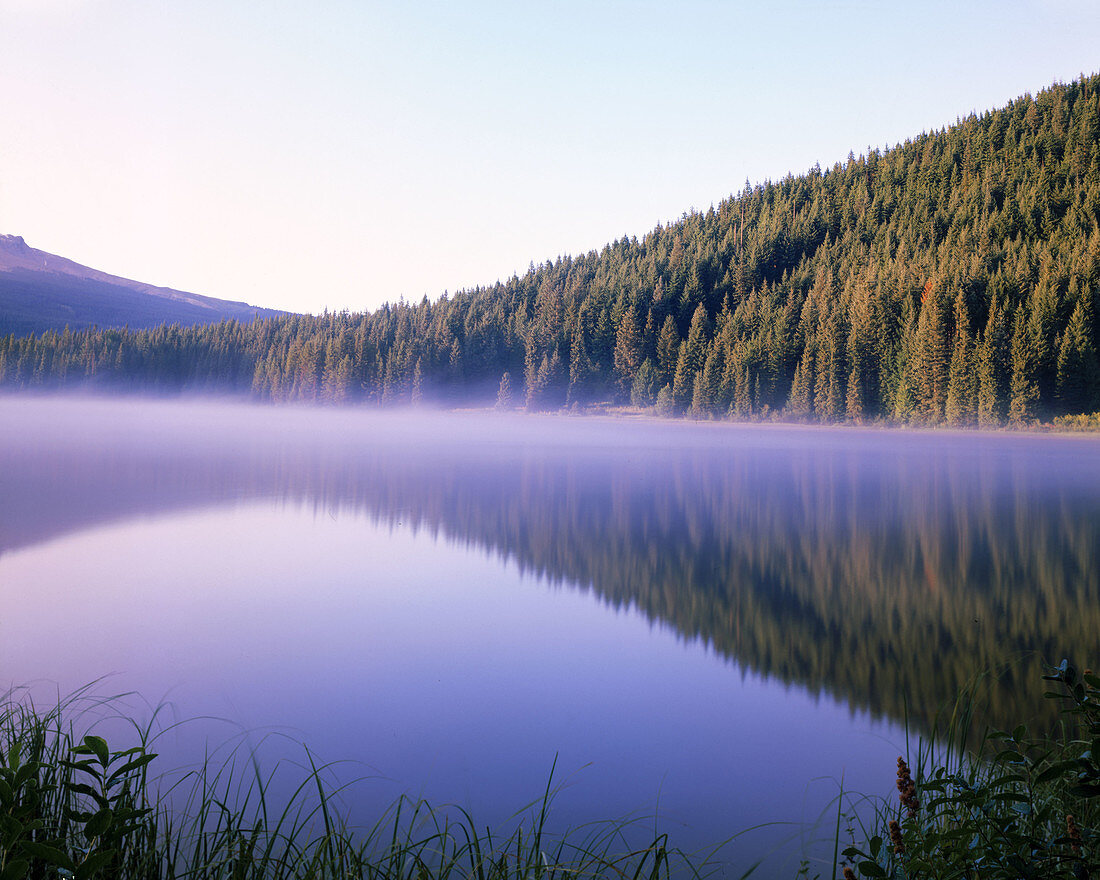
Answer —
952 279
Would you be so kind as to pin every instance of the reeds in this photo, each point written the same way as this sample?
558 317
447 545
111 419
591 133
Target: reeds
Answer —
73 807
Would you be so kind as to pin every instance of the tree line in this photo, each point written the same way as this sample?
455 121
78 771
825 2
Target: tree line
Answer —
954 278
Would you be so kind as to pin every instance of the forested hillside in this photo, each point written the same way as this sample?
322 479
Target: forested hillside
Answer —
952 279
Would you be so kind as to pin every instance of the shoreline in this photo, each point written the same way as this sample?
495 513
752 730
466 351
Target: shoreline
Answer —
607 413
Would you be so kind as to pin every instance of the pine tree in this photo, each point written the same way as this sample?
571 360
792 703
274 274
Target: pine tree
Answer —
416 392
1078 370
992 356
644 390
691 359
959 405
862 395
582 372
705 391
668 351
665 405
830 393
932 358
504 392
801 401
1023 390
629 352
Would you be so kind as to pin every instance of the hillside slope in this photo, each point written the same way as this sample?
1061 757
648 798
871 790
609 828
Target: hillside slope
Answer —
41 291
953 278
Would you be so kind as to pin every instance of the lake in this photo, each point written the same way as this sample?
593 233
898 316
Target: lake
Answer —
705 625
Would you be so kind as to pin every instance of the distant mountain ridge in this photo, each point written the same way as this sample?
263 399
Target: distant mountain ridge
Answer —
41 291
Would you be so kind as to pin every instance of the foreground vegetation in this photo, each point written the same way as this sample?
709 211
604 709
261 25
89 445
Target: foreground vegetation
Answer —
1023 806
72 807
954 278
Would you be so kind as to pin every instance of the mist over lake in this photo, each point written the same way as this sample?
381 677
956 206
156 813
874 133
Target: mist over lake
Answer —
708 622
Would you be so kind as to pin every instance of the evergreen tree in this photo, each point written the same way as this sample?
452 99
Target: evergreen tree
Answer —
629 352
1023 390
665 405
862 395
1078 370
959 405
644 390
416 393
582 372
668 351
932 357
992 355
504 392
691 359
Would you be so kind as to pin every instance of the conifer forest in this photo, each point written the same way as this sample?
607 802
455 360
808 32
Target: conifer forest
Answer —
952 279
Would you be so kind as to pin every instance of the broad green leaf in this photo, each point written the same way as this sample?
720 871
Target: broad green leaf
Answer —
98 745
129 767
1055 770
93 864
99 823
84 767
15 870
25 773
49 854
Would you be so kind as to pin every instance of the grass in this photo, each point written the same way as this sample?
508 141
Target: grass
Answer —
72 806
1016 806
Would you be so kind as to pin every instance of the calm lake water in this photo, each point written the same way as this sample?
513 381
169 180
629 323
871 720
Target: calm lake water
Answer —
705 623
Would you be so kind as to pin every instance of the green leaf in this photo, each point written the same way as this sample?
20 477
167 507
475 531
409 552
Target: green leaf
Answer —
13 828
1010 796
1058 768
76 815
15 870
93 864
25 773
99 823
1005 779
49 854
129 767
98 745
81 788
83 766
872 869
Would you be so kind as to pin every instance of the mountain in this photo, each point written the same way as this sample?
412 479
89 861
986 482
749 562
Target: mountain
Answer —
41 291
951 279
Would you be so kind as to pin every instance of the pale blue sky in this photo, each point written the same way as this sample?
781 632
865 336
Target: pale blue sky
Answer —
341 154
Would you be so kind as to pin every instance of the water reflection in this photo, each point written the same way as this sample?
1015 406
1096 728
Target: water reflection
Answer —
880 568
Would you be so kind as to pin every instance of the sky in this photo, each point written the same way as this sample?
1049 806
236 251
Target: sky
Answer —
342 153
